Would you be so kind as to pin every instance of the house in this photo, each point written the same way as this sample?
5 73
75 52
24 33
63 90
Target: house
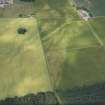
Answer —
4 3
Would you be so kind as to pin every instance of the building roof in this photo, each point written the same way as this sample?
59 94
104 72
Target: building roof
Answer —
5 2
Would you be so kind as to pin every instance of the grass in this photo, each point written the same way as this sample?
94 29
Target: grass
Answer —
22 65
40 9
98 25
66 36
55 9
72 34
82 68
78 69
75 56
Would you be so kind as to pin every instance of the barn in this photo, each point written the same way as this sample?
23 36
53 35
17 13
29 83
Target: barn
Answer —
4 3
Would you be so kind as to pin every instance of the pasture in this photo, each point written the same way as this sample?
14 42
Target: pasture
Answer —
40 9
75 54
22 65
68 35
55 9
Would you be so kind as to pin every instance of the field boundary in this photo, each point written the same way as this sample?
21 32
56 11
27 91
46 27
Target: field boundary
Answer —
95 34
47 66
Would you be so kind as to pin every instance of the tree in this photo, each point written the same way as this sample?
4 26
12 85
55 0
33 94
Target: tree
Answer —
21 30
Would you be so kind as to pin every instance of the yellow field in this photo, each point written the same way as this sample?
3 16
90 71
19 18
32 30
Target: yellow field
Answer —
22 65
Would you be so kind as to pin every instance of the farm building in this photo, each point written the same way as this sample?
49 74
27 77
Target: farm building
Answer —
83 14
4 3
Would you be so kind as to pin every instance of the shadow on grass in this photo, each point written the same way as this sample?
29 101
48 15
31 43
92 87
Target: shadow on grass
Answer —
87 95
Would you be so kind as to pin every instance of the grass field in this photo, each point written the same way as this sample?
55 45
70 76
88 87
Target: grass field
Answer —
40 9
22 56
57 42
82 68
22 65
98 25
55 9
71 34
75 54
75 35
79 69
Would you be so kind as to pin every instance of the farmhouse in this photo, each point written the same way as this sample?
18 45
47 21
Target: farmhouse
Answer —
4 3
83 14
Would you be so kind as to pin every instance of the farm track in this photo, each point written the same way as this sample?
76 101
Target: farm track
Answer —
47 65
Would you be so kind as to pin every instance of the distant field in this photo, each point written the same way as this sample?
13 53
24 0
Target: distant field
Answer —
55 9
22 65
40 9
96 7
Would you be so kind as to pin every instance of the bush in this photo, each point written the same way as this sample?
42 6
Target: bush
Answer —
21 30
21 15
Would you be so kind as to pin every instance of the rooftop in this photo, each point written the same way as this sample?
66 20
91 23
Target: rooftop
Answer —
3 3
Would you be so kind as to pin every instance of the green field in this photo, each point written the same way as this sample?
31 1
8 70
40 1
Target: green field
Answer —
22 66
98 25
71 34
75 53
79 69
82 68
75 35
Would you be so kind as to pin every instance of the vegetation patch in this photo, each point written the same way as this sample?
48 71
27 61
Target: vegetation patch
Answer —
42 98
21 30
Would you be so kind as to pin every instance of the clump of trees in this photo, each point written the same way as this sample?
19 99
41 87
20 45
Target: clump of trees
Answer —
42 98
21 30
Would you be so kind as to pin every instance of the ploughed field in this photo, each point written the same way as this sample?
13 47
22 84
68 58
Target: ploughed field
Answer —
39 9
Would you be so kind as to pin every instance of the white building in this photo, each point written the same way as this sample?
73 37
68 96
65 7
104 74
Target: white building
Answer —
4 3
84 14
